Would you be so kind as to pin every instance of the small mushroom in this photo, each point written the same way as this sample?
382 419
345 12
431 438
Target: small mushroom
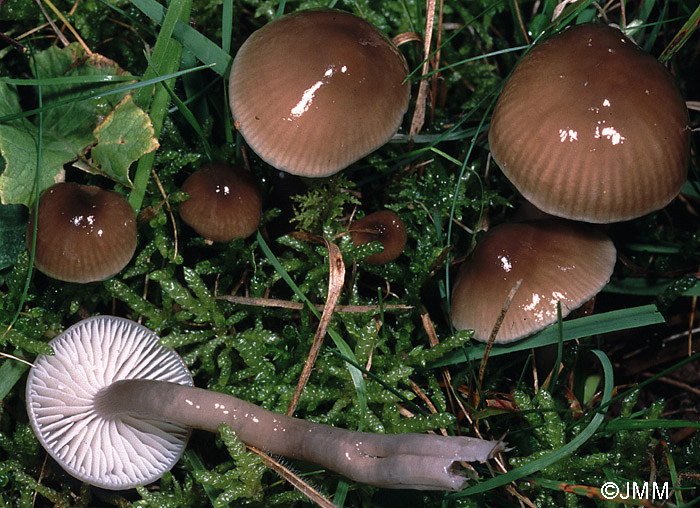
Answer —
314 91
557 260
224 202
106 403
590 127
84 233
384 226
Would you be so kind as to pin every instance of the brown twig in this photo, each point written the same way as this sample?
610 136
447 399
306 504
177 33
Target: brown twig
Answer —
492 339
336 277
674 382
299 484
286 304
12 42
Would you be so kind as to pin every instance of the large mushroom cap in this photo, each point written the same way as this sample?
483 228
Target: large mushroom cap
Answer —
316 90
590 127
557 260
84 233
115 453
224 202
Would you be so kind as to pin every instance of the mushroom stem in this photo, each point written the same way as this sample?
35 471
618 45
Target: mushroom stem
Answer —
414 461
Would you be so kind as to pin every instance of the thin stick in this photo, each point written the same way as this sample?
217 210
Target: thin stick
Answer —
492 338
170 210
70 27
419 111
11 41
58 33
299 484
520 22
434 341
286 304
12 357
336 277
693 306
674 382
435 79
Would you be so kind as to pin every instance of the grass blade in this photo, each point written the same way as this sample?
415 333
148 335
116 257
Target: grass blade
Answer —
205 50
596 324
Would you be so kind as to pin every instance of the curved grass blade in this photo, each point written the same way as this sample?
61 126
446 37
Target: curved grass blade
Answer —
681 37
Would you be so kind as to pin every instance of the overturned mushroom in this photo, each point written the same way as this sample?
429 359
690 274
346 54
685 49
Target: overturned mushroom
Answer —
111 396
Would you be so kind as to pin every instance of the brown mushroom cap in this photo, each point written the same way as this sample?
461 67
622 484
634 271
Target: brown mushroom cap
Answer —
557 260
316 90
84 233
224 202
590 127
385 227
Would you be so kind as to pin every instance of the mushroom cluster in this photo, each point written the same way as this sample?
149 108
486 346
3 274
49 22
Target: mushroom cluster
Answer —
314 91
588 127
114 408
84 233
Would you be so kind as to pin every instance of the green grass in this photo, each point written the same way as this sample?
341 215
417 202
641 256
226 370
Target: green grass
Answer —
621 409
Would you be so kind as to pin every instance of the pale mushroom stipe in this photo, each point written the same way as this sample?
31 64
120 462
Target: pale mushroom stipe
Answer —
84 233
590 127
113 407
314 91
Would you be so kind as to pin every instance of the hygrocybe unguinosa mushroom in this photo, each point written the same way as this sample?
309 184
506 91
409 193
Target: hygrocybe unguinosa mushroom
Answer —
114 408
590 127
558 262
84 233
314 91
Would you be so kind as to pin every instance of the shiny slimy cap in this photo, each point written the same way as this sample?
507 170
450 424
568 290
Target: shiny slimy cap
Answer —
224 202
590 127
84 233
316 90
383 226
557 260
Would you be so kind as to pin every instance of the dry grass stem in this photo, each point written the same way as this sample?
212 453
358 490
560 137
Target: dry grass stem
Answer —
286 304
419 112
492 338
12 357
72 30
336 277
299 484
170 210
58 33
